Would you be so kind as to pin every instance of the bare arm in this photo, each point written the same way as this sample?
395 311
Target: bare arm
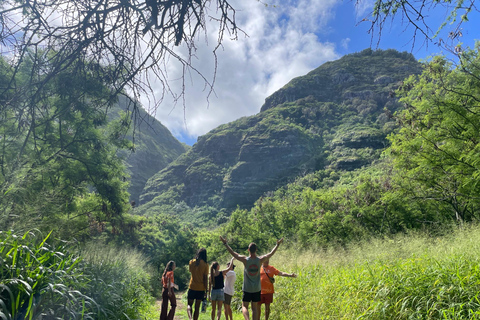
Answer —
284 274
205 282
210 284
230 267
237 256
171 286
268 255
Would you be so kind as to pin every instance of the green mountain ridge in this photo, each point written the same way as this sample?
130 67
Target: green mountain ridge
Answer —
337 116
155 148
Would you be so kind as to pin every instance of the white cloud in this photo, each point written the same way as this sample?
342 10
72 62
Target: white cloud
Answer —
362 8
344 43
281 44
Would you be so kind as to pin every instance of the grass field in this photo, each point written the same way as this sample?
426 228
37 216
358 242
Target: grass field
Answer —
409 277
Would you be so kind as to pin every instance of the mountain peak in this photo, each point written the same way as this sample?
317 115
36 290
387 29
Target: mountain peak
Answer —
367 69
337 116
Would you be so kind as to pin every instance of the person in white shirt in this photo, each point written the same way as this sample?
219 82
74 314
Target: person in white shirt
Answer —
229 290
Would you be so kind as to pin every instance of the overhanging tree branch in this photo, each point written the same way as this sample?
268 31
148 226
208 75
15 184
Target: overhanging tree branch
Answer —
132 39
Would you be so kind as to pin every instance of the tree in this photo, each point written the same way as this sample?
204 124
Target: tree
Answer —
58 154
436 150
130 39
417 14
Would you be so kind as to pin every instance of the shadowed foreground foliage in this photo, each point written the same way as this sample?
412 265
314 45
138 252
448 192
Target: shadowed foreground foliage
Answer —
39 280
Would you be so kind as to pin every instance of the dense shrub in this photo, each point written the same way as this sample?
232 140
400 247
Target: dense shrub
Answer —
43 279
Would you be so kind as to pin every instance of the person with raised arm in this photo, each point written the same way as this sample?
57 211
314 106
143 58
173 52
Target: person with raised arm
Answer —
251 276
216 288
267 274
229 290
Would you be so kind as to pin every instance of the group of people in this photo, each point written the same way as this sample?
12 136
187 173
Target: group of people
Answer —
258 288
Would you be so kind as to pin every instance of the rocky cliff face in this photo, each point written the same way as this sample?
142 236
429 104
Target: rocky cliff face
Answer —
155 148
348 78
336 116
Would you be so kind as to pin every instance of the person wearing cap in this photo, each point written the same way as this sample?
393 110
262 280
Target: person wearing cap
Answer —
229 290
251 276
267 274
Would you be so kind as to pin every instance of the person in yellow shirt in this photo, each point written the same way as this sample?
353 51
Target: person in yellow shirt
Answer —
197 289
267 274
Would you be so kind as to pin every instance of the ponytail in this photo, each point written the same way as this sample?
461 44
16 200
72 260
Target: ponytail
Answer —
213 267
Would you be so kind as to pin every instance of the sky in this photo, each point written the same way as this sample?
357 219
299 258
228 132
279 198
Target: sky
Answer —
286 39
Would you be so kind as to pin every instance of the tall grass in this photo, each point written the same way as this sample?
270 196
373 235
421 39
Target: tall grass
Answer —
42 279
409 277
120 283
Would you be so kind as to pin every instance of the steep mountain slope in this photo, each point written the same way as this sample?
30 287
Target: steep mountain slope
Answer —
155 148
337 116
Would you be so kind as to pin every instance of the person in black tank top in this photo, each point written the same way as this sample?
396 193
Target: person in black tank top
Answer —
218 283
215 288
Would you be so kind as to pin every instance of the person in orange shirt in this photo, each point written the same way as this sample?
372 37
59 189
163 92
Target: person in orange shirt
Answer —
267 274
168 284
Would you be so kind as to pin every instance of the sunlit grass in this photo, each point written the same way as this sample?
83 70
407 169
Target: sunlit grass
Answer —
409 277
406 277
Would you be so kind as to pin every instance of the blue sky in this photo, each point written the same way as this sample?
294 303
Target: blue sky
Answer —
286 39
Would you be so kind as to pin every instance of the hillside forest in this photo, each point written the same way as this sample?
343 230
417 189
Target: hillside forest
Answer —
367 166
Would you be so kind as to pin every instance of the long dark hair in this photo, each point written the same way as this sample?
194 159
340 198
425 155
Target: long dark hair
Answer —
168 267
212 269
201 255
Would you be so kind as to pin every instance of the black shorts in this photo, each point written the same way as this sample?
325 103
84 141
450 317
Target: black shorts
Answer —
228 299
195 295
251 296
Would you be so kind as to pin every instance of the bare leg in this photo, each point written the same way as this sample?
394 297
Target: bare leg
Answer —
228 312
255 312
214 308
219 313
189 309
267 311
245 310
196 313
259 310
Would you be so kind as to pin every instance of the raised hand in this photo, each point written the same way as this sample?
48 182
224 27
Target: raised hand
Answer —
223 240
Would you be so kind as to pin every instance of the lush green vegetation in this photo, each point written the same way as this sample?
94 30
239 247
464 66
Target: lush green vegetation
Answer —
60 171
410 276
428 177
56 151
405 277
44 279
336 117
